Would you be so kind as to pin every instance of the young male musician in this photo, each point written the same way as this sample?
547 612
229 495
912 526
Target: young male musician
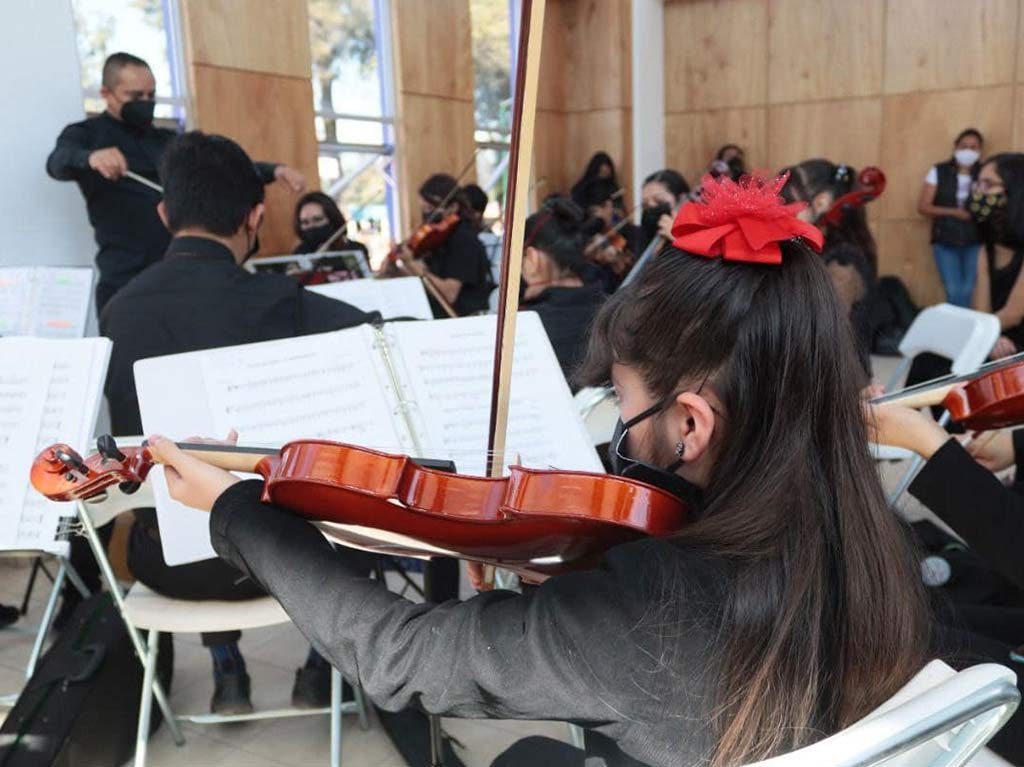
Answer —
458 268
97 152
199 297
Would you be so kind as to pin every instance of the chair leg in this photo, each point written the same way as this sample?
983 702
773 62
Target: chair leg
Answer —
364 725
146 698
115 591
45 621
335 717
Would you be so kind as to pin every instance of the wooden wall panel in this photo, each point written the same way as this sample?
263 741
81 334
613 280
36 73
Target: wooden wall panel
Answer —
226 100
597 75
551 171
604 129
434 46
903 251
932 45
271 36
716 54
919 128
844 131
692 139
824 49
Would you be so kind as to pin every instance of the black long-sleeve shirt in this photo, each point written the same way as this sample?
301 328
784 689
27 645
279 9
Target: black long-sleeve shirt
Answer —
123 214
567 314
196 298
624 649
971 499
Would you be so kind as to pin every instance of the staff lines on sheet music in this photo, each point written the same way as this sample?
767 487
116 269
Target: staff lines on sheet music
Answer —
284 379
296 397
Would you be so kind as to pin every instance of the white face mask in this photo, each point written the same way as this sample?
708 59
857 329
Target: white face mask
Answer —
966 157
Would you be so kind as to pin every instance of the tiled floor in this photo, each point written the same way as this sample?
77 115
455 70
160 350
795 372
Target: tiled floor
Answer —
272 655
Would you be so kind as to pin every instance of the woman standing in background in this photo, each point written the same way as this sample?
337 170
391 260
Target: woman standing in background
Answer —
954 234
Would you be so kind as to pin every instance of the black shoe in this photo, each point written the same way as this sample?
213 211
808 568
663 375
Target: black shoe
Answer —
8 615
231 694
312 687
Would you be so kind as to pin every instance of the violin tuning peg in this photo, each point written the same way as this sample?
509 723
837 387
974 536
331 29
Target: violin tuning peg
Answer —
107 447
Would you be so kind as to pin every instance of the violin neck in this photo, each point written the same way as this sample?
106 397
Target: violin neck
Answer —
914 398
228 457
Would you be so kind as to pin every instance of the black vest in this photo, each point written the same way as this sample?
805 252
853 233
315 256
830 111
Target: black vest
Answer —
947 230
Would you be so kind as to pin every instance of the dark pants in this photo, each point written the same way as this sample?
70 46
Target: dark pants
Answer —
209 579
538 751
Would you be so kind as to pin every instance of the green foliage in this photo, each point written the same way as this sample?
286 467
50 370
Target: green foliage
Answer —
491 59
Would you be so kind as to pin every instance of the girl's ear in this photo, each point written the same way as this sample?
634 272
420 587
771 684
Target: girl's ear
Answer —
694 425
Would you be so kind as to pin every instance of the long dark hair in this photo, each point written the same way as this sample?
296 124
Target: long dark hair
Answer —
441 187
825 615
592 173
1010 167
557 230
331 210
810 178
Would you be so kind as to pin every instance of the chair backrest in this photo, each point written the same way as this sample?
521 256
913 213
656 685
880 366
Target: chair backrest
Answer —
599 410
939 718
962 335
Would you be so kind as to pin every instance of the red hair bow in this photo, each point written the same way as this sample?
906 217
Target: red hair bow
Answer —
742 221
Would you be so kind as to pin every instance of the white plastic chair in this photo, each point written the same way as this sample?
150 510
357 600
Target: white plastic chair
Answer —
142 609
941 718
963 336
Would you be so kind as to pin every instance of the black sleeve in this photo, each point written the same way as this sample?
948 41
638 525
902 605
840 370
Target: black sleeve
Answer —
1018 453
266 171
499 654
320 314
971 499
70 158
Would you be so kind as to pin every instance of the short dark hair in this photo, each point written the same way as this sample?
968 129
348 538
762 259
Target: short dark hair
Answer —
969 132
330 208
209 182
115 63
671 180
476 197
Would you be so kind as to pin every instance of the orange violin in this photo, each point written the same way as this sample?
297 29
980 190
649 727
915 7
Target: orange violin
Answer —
992 397
534 522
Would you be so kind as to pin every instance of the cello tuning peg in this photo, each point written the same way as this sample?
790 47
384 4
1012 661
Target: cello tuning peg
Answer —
107 447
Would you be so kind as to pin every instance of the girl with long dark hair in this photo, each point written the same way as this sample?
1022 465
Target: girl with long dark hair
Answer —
790 608
317 219
997 205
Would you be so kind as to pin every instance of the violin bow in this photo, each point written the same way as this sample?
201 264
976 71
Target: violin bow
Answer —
520 162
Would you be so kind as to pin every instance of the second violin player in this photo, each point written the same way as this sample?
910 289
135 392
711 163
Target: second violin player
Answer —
450 255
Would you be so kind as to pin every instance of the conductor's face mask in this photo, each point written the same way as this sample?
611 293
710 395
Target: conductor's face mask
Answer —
139 113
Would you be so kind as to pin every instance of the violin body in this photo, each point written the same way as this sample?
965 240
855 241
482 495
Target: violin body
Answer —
428 236
991 401
532 521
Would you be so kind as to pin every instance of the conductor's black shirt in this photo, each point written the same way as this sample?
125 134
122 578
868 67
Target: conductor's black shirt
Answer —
196 298
123 214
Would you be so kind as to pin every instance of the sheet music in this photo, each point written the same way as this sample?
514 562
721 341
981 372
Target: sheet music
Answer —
44 301
398 297
323 386
447 369
50 393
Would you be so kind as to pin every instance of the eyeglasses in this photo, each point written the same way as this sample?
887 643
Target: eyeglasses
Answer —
988 185
312 221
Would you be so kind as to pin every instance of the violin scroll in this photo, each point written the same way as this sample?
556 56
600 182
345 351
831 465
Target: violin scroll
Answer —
61 474
870 186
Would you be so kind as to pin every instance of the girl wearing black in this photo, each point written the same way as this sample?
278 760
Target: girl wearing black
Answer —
850 251
317 219
553 266
790 607
600 166
663 193
997 204
944 198
458 268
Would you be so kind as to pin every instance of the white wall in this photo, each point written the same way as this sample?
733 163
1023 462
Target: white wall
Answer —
44 221
648 52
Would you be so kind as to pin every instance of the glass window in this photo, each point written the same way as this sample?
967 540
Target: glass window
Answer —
492 94
144 28
349 41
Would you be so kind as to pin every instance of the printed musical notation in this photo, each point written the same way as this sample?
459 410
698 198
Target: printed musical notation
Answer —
44 301
398 297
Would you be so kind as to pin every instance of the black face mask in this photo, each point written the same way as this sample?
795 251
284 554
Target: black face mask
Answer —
989 212
138 114
315 236
664 478
651 216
